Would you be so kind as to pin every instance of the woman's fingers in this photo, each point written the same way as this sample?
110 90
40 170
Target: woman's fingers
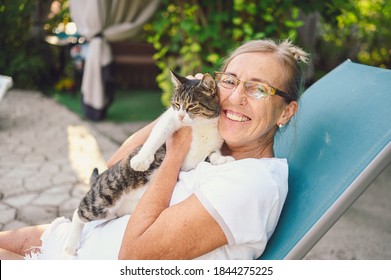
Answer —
197 76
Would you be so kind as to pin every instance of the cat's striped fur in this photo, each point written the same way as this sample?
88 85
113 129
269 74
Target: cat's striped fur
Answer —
108 188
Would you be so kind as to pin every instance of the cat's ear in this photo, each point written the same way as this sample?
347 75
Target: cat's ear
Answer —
177 79
208 81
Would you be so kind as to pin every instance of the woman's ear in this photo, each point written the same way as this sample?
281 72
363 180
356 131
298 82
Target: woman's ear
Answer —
288 112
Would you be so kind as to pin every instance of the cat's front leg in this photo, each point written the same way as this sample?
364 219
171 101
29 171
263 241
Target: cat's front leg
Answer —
163 129
216 158
141 161
74 235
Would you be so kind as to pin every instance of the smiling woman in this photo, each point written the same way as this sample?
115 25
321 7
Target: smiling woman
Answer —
226 211
264 95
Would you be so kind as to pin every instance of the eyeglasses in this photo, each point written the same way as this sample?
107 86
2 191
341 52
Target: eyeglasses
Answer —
256 90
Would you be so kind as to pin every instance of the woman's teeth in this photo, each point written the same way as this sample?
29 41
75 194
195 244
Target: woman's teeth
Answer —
235 117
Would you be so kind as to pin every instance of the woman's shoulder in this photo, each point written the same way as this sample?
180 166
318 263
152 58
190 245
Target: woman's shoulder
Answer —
269 163
251 174
249 163
264 161
256 169
263 173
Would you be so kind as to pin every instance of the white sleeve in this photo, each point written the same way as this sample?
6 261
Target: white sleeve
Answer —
242 197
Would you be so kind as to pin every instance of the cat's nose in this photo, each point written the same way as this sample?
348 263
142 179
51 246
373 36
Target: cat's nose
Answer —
181 117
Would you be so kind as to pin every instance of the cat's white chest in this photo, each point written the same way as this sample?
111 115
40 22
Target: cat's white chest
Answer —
206 140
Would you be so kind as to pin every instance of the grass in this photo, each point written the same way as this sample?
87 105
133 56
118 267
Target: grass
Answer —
128 106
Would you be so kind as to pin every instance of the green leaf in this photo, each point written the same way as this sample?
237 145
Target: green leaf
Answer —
268 18
213 58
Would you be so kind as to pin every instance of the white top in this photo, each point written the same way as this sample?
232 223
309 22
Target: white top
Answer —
245 197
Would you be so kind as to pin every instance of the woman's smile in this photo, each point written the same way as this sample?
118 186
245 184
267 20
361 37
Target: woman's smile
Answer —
235 116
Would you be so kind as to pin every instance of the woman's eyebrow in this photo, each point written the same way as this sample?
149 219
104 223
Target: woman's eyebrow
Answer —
259 80
251 80
232 74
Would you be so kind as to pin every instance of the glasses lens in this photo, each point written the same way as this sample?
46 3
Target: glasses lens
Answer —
226 81
257 90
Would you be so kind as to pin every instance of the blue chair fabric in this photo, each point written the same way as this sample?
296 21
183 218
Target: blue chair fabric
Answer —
336 146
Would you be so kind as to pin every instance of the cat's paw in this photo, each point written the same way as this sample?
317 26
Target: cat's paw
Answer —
71 247
217 159
140 162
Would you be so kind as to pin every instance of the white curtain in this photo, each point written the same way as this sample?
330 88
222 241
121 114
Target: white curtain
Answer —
103 21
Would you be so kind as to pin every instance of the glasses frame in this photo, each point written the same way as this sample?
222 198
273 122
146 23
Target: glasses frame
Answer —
273 90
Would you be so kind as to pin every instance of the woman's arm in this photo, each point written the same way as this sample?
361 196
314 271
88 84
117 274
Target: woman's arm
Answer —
134 141
19 241
157 231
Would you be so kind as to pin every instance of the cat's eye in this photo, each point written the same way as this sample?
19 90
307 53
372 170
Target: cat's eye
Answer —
176 104
192 107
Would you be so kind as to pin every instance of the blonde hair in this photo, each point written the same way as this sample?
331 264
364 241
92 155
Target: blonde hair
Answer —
290 57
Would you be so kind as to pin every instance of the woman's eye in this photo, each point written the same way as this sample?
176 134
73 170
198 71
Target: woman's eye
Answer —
257 91
228 82
260 92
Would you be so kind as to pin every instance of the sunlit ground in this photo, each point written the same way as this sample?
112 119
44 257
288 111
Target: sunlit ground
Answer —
83 152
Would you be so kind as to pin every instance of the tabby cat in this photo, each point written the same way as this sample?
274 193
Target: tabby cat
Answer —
116 191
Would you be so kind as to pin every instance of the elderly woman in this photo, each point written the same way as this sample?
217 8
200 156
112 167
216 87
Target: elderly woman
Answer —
227 211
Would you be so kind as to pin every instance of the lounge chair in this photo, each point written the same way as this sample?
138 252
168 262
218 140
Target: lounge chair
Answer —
341 142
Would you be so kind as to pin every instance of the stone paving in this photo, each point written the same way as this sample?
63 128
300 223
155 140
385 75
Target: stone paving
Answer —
47 154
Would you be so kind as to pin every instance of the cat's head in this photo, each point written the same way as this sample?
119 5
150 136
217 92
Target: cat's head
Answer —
194 98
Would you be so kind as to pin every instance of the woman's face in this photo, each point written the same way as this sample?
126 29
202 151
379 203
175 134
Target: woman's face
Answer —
245 122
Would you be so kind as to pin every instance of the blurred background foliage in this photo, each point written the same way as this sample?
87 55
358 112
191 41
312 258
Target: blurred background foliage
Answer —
194 36
24 55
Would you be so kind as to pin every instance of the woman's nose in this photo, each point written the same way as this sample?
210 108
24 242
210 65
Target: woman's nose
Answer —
238 94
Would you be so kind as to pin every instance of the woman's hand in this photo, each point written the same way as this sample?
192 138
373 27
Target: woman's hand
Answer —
179 144
197 76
